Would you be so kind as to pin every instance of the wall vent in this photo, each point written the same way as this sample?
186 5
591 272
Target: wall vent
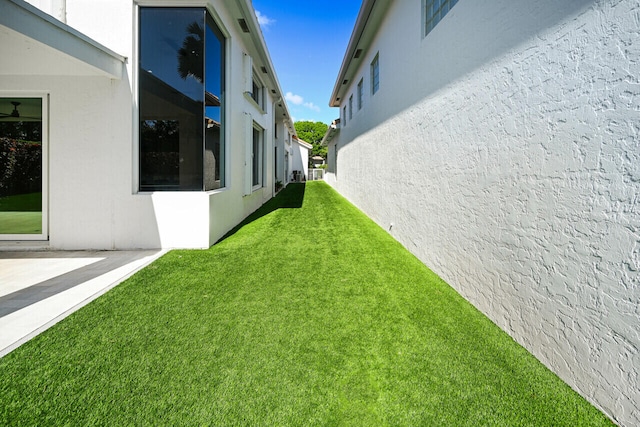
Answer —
243 25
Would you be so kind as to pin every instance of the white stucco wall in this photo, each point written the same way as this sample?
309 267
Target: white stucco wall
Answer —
503 150
300 158
93 197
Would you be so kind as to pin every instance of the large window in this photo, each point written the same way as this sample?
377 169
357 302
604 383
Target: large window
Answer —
375 74
434 11
360 93
22 163
181 80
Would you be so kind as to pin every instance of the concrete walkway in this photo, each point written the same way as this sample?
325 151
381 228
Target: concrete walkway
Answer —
38 289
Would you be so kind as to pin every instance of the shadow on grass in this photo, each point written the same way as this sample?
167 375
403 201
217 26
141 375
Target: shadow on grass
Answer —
291 197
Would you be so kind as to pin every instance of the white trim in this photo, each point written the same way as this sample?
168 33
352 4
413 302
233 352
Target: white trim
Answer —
253 102
44 97
248 143
261 157
31 22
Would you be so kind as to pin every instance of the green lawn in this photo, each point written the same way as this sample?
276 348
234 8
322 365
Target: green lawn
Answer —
21 214
309 314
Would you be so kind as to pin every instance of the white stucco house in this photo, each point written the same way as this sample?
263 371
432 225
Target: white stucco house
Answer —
502 147
144 123
300 158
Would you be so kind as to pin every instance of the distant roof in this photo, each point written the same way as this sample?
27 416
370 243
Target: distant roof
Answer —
331 131
303 143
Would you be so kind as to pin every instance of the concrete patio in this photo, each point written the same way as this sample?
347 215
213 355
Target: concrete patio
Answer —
38 289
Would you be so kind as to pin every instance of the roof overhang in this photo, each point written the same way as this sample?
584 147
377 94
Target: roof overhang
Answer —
305 144
262 60
371 14
331 132
34 43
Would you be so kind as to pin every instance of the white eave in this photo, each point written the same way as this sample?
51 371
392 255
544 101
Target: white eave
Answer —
331 131
34 43
257 39
369 18
305 144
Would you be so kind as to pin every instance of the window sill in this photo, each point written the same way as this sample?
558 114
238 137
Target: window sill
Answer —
249 98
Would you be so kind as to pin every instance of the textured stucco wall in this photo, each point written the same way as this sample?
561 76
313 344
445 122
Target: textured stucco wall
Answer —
504 149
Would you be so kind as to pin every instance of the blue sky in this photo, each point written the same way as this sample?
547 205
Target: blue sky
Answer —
307 40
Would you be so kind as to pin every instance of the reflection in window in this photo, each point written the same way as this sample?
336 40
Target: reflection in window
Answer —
160 142
375 74
21 195
256 93
181 83
256 155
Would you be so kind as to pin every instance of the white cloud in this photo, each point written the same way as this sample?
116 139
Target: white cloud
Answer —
298 100
264 20
312 106
294 99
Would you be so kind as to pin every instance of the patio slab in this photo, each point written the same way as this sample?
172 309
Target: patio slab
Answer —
38 289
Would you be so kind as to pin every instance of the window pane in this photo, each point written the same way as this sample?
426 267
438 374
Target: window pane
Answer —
171 98
21 166
435 11
214 161
375 75
256 158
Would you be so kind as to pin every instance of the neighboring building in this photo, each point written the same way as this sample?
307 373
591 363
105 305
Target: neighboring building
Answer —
300 159
499 142
131 144
317 161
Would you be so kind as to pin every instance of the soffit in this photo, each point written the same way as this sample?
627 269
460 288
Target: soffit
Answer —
34 43
368 22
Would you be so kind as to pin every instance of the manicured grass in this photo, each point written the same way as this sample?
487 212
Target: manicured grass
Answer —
21 214
20 222
308 314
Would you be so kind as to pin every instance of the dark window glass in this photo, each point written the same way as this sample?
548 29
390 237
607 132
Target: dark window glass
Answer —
214 167
181 91
21 199
435 10
256 157
375 75
256 90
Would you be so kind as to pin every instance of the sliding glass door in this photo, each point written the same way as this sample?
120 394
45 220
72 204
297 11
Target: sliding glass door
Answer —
22 163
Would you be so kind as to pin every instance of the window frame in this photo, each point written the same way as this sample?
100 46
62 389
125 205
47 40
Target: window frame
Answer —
360 91
375 74
351 107
44 98
257 90
212 22
431 17
257 160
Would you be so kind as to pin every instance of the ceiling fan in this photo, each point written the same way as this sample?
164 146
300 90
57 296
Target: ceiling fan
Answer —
15 114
